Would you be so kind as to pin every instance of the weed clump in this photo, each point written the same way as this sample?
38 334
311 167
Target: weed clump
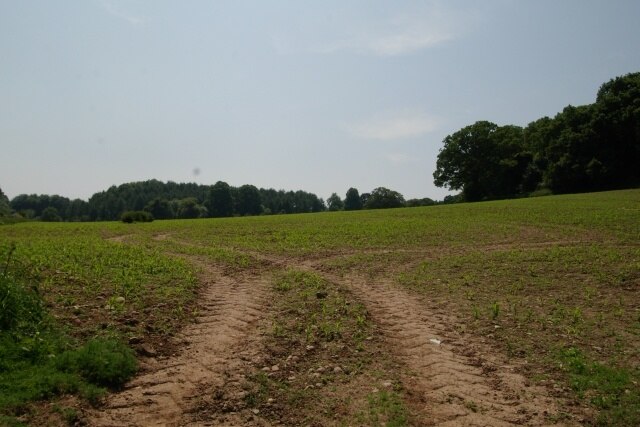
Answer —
38 361
104 362
612 390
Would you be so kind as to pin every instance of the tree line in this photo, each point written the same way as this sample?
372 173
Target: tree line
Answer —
189 200
166 201
592 147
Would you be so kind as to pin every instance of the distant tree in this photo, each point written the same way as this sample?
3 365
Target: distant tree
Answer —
50 214
78 210
190 208
352 200
455 198
411 203
334 203
159 208
281 202
364 198
219 201
136 216
249 201
5 208
567 150
383 198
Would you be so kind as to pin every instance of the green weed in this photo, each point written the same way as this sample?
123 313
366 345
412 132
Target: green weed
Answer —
386 408
612 390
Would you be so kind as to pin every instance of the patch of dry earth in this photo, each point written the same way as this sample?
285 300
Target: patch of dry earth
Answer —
210 349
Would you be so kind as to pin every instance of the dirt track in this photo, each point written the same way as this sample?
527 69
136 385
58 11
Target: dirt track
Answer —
213 351
457 381
451 378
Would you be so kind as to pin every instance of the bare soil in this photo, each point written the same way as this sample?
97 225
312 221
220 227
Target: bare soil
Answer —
211 352
449 377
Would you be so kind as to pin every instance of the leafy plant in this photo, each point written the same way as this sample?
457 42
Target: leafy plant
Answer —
104 362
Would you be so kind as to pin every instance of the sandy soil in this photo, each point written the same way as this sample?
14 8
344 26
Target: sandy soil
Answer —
451 378
212 352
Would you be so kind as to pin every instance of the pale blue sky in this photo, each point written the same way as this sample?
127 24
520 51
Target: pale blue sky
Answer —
319 96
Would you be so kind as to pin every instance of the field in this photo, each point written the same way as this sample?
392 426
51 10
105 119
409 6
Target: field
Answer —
496 313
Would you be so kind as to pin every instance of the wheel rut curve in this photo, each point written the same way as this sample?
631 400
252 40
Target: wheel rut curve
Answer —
452 379
212 350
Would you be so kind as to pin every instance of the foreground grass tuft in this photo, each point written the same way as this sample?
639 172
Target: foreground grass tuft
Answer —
614 391
38 361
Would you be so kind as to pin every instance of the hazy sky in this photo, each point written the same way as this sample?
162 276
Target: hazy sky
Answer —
319 96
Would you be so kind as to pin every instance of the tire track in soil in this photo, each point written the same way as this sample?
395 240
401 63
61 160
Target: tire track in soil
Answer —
454 381
213 350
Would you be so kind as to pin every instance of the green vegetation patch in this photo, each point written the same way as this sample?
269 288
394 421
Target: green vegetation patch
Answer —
328 359
537 301
614 391
38 361
89 282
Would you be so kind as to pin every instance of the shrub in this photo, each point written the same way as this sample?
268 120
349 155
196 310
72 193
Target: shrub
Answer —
103 362
19 306
136 216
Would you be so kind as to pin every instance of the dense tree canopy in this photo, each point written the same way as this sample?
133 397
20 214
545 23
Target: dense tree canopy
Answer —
219 201
352 200
483 160
586 148
412 203
33 206
248 201
284 202
50 214
335 203
160 209
5 208
170 200
189 208
383 198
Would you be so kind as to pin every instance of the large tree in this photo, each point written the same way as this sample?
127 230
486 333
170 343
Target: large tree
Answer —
572 164
5 208
249 201
383 198
190 208
483 160
50 214
219 201
352 200
334 203
160 209
617 123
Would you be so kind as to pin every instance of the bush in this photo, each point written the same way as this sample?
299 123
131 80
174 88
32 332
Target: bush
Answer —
102 362
136 216
20 307
38 361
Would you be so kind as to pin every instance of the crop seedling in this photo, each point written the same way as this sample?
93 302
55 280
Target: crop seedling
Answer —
495 310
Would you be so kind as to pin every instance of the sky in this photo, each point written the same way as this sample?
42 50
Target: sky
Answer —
318 96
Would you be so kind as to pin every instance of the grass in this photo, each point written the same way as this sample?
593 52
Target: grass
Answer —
612 390
321 341
38 361
556 274
386 408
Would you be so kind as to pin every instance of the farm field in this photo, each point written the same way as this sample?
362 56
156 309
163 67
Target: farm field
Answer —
509 312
